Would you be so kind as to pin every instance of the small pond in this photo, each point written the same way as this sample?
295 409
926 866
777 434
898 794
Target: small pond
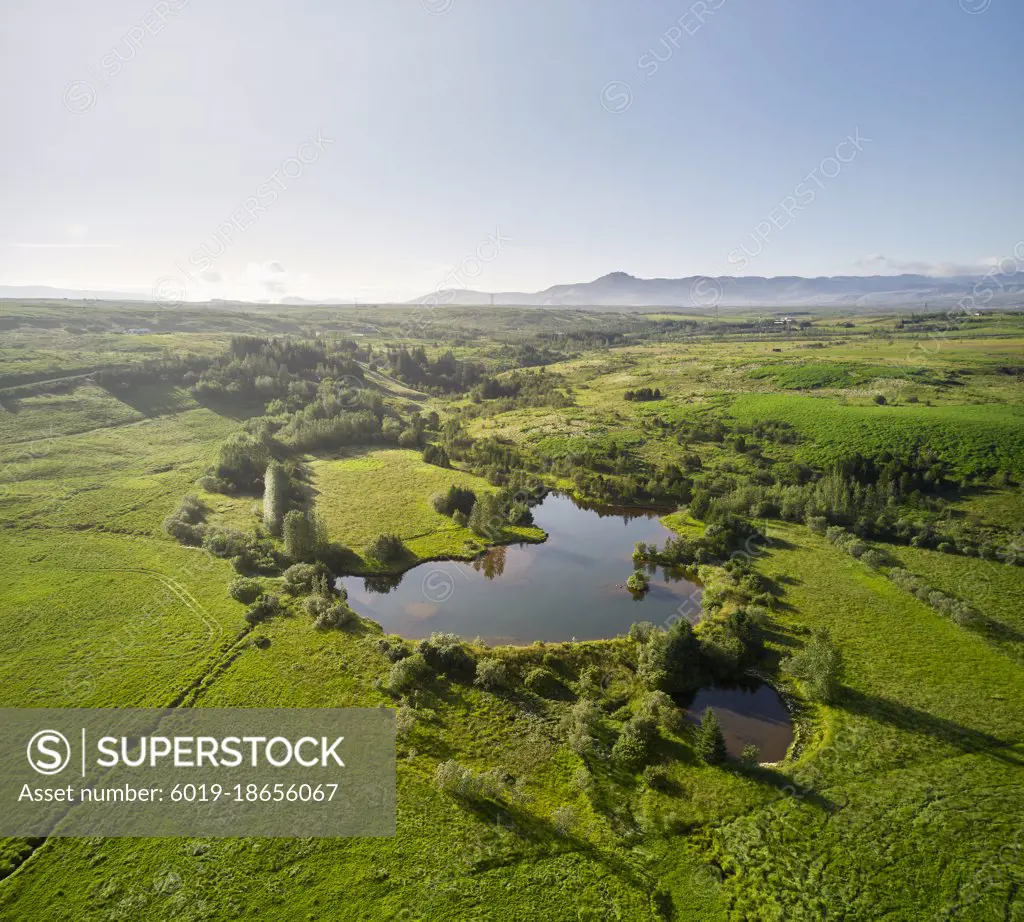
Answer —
571 586
748 714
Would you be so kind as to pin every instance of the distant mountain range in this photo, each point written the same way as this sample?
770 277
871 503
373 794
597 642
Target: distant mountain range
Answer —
699 292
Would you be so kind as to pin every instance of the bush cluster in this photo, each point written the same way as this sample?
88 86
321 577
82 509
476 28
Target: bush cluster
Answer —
953 608
456 499
266 606
185 524
386 548
448 654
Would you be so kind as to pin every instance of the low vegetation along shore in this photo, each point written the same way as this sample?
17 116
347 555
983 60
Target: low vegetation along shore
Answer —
176 506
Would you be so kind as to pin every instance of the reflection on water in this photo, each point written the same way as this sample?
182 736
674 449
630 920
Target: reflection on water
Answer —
572 585
754 714
492 563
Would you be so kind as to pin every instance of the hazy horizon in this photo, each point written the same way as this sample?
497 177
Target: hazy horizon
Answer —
379 154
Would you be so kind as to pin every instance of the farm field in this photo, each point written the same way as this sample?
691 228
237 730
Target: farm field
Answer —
856 535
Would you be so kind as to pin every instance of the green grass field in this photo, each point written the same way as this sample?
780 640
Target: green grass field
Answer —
389 491
900 800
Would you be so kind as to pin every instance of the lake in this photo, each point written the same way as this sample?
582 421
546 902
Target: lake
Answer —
748 714
570 587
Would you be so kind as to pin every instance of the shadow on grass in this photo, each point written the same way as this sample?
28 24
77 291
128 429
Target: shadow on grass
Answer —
991 629
540 831
231 409
914 720
787 786
151 399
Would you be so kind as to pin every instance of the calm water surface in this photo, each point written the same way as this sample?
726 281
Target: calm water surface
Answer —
754 714
571 586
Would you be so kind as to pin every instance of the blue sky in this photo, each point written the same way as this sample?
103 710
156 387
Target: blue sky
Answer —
136 133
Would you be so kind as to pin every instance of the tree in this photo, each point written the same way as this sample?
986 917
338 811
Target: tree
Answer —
457 499
386 548
486 519
710 743
275 497
682 658
819 666
436 454
638 582
305 536
633 747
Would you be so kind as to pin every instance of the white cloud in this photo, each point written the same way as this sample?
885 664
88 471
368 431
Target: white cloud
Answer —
268 281
65 246
877 264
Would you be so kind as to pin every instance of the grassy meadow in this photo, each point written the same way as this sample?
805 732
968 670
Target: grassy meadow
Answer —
902 794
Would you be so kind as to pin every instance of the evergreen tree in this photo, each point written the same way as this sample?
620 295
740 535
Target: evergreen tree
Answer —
682 658
710 743
486 518
275 497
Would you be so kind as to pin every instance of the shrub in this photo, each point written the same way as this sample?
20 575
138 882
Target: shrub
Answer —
554 662
245 590
633 747
519 514
657 779
819 666
447 653
393 651
656 705
328 611
266 606
641 631
409 438
304 578
456 499
435 454
458 781
592 681
409 673
451 778
386 548
722 652
564 820
638 582
709 742
185 524
873 559
751 755
405 721
586 714
225 542
651 666
542 681
493 675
